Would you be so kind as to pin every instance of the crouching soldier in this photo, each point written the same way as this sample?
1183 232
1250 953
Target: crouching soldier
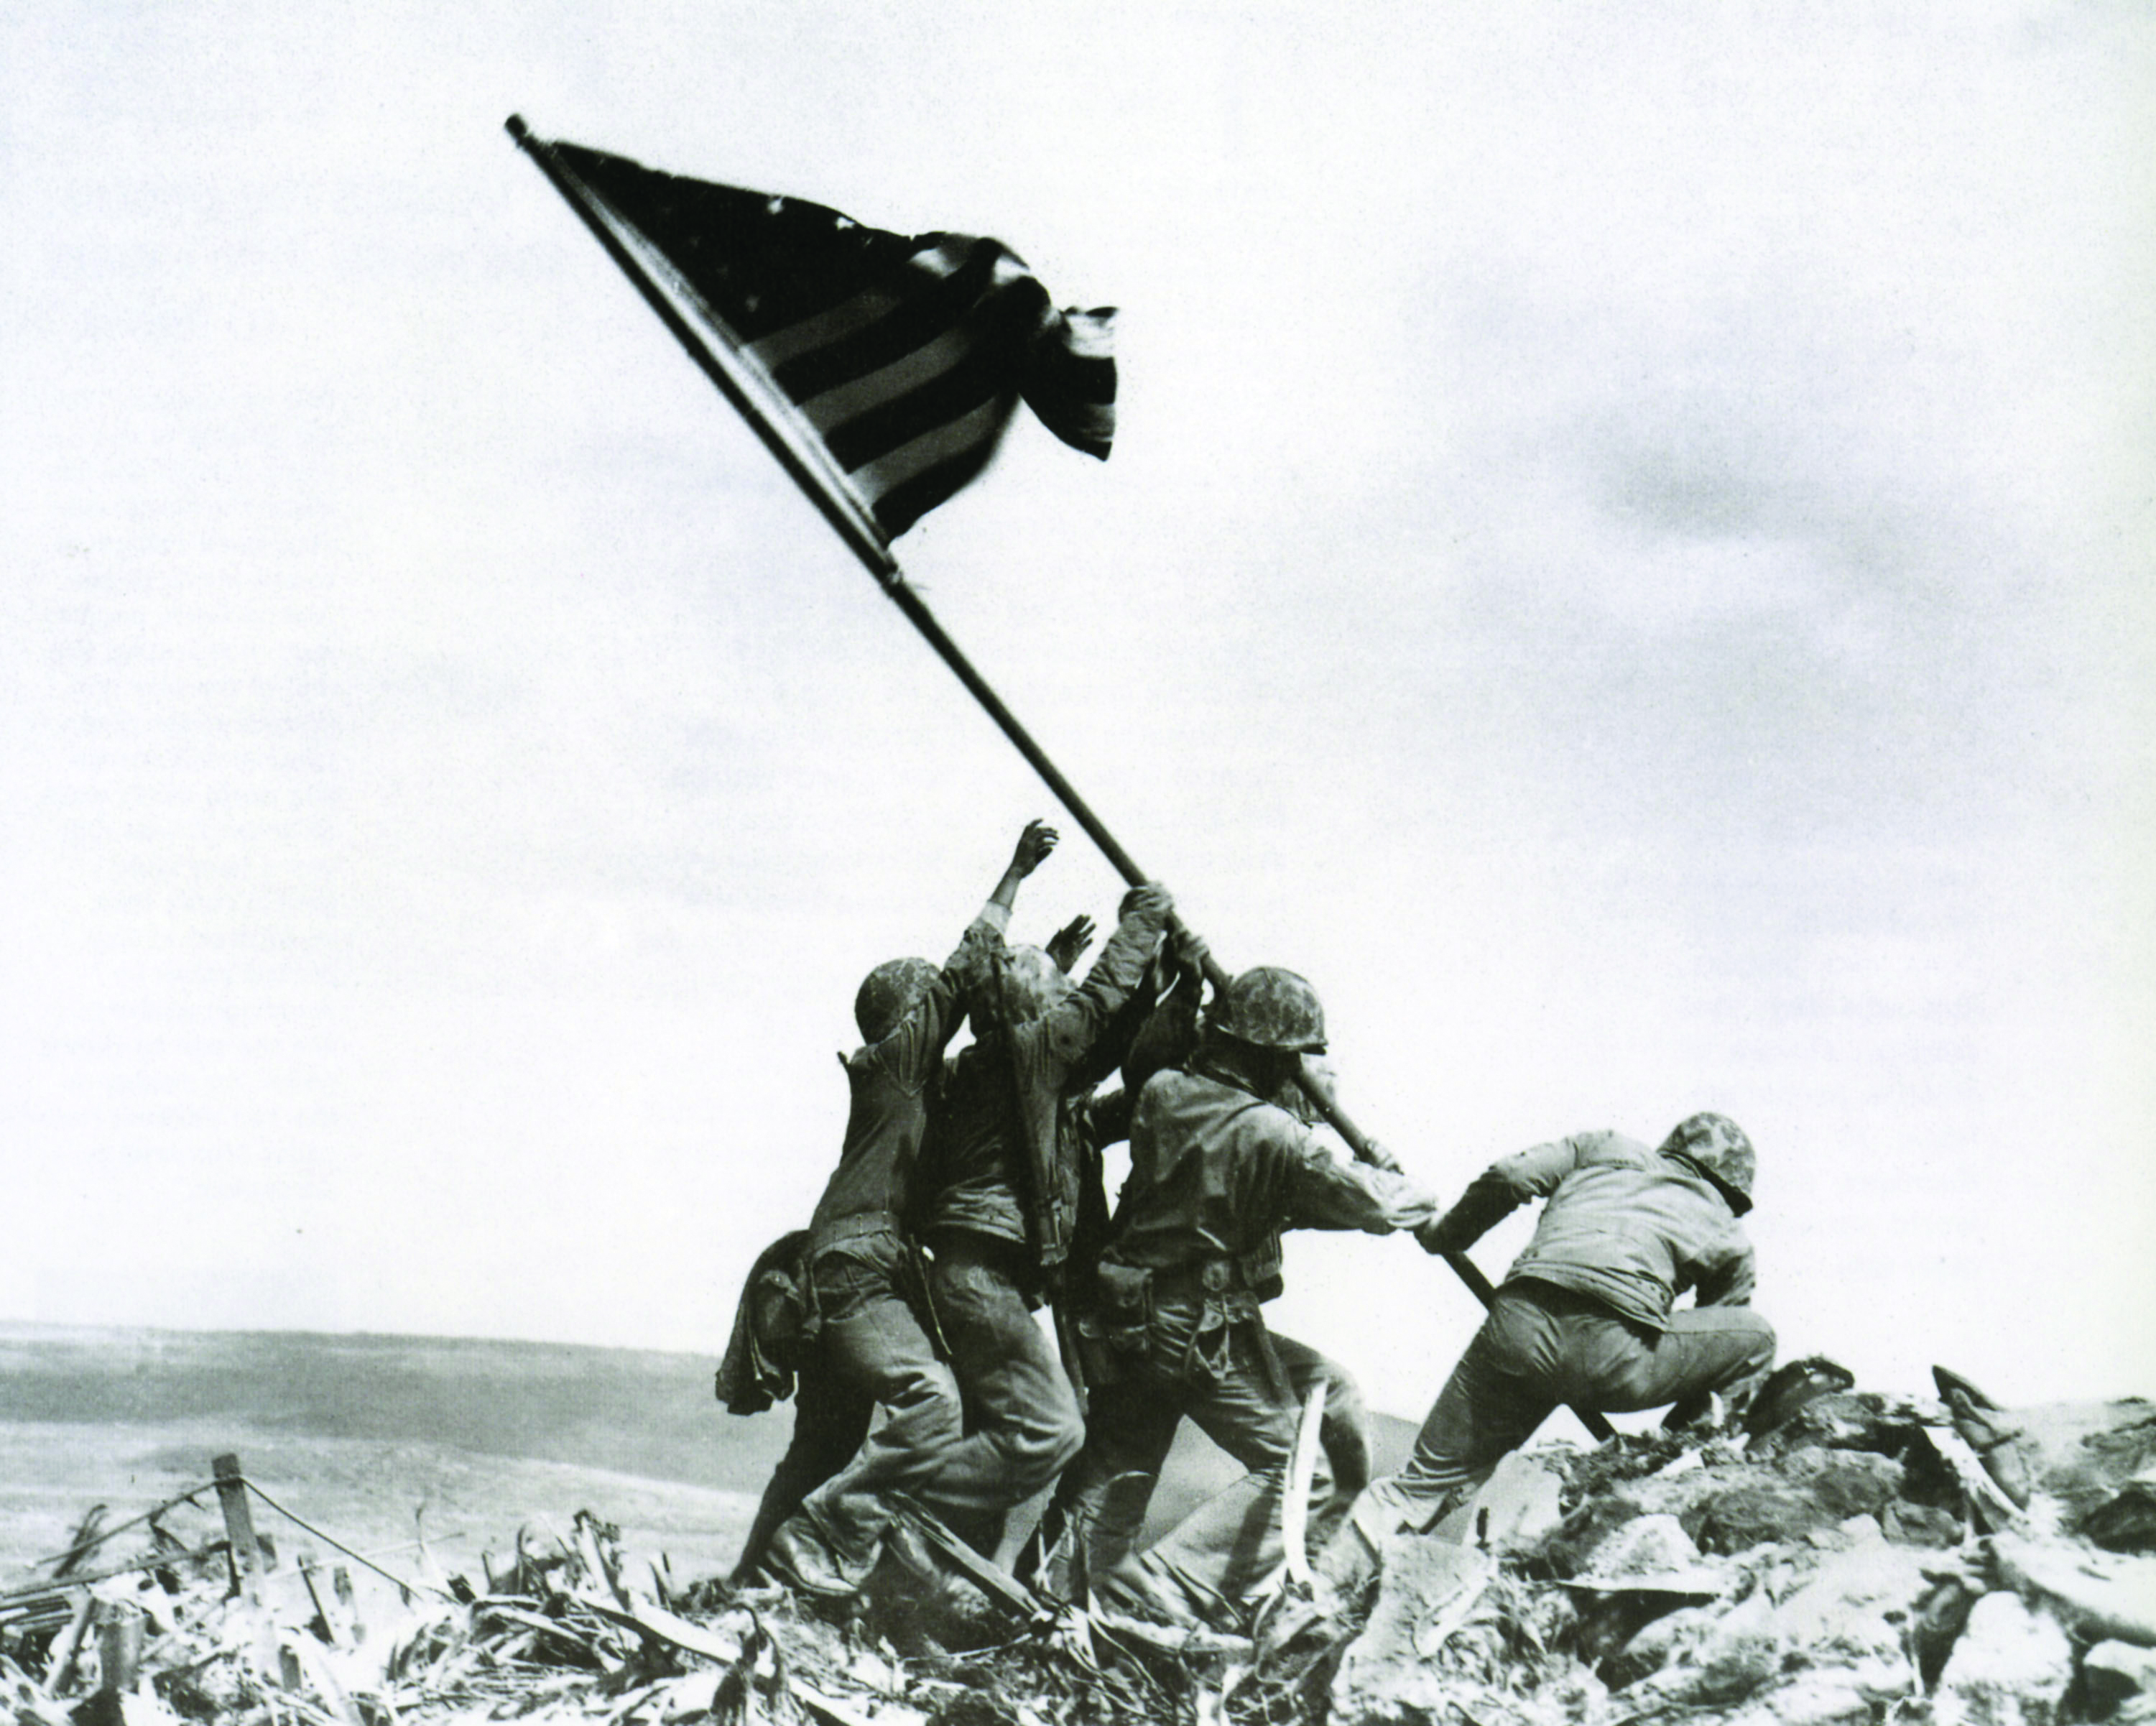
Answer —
871 1348
1218 1170
1585 1317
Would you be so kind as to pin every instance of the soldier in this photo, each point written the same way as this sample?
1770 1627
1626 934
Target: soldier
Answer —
1585 1317
1218 1169
1016 1182
768 1359
871 1347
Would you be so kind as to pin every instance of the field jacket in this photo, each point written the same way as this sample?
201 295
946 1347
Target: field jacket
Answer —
1624 1223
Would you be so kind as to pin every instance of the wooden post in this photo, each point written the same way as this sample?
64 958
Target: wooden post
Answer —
245 1550
119 1635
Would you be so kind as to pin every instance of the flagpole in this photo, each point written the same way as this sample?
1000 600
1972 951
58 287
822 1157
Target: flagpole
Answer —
876 558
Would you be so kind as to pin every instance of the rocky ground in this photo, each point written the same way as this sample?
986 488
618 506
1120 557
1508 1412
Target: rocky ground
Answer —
1850 1557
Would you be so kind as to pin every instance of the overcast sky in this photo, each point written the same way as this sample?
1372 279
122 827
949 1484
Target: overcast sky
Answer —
1627 560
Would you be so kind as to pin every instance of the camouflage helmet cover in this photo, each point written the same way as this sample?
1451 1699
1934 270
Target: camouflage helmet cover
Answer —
888 993
1032 984
1272 1008
1718 1147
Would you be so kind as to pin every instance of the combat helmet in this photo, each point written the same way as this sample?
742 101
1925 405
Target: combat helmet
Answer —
1270 1008
1032 985
888 993
1716 1146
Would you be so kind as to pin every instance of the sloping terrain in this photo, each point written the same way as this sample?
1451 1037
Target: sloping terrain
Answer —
1842 1558
363 1435
376 1440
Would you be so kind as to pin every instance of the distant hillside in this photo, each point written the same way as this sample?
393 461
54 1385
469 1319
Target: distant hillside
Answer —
631 1411
365 1431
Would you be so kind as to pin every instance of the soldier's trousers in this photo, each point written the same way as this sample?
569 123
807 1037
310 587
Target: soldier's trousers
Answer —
1022 1425
1101 1502
830 1420
872 1352
1345 1434
1543 1347
1212 1563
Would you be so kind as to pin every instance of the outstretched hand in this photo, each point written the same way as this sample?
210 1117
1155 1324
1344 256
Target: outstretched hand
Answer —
1033 846
1150 899
1069 941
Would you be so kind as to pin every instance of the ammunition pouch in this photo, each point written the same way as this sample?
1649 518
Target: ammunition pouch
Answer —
1223 1297
1112 1331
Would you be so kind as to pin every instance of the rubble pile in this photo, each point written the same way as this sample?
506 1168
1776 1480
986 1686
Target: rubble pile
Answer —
1859 1558
1847 1556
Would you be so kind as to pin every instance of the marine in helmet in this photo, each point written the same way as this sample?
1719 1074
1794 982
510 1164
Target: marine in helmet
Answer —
1587 1315
821 1525
1219 1168
1009 1188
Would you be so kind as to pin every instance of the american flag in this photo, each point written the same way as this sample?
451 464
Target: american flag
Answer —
896 361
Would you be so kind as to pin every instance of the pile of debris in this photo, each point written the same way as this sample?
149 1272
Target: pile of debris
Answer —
1851 1557
1847 1557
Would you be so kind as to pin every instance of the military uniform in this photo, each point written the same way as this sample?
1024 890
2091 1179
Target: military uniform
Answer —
1016 1184
871 1350
1585 1316
1216 1174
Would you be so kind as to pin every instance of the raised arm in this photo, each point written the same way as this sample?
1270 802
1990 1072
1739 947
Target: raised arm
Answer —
1077 1022
1033 846
916 1044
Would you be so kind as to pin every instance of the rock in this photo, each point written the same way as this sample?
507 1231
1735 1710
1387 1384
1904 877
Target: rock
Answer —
1519 1506
1996 1439
1854 1617
1651 1554
1384 1676
1920 1525
2081 1455
1672 1640
2126 1522
2102 1595
2119 1681
1736 1655
1844 1420
1941 1615
1813 1699
1564 1550
2011 1667
1952 1383
1639 1574
1808 1489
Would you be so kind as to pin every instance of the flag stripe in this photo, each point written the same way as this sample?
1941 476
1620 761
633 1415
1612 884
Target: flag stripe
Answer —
844 318
941 443
899 508
983 376
923 366
935 305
